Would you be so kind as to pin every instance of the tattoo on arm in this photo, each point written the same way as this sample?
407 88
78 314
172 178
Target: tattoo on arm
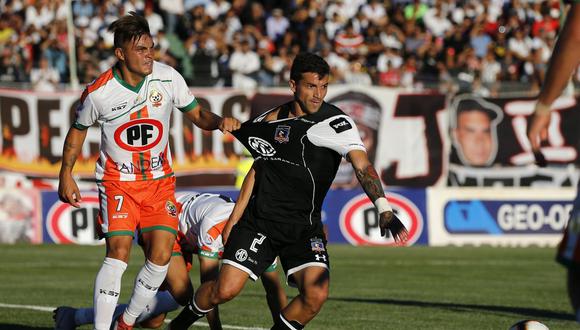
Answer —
370 182
69 157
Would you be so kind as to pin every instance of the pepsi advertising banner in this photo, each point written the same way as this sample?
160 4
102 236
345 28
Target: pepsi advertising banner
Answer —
506 217
349 215
65 224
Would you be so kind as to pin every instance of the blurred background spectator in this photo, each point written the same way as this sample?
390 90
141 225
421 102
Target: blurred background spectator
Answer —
488 45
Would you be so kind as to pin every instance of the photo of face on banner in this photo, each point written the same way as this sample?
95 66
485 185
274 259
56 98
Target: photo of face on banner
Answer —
366 113
474 130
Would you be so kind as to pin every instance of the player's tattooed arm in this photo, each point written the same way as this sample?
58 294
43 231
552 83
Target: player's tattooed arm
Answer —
370 182
73 145
68 190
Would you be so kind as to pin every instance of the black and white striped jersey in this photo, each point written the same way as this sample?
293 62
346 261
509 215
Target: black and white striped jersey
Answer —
296 160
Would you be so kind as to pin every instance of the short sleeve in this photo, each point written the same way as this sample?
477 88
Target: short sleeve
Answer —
86 113
338 133
183 99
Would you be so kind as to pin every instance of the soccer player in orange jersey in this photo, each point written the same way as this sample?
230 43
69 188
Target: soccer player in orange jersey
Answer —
132 102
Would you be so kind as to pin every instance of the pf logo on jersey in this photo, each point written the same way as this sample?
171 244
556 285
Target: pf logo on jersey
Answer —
359 220
139 135
261 146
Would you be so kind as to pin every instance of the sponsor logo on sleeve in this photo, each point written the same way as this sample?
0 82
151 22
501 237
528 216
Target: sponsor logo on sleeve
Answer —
340 125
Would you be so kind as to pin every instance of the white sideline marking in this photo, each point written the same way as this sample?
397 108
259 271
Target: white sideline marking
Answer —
50 309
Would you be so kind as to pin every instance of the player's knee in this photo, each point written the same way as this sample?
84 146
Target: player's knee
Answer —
119 252
223 294
314 298
160 256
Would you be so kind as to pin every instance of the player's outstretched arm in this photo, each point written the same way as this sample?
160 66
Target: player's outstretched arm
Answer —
68 191
565 59
241 203
369 180
208 120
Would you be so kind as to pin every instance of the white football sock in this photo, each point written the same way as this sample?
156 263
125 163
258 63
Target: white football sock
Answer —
146 285
107 290
163 302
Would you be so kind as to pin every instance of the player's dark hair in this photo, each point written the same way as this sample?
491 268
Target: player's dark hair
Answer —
308 62
129 28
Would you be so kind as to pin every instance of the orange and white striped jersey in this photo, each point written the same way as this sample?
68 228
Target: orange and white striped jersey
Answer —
202 219
134 122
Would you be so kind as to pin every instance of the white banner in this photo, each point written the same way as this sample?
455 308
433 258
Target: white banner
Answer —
498 217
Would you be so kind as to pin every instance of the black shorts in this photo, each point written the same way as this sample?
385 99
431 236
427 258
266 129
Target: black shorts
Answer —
254 244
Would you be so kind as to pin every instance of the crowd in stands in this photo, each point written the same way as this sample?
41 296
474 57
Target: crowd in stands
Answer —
470 44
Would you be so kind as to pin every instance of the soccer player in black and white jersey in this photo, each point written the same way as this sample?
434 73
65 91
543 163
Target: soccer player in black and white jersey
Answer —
564 62
297 148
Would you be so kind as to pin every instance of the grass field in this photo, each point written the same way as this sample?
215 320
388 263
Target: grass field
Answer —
371 288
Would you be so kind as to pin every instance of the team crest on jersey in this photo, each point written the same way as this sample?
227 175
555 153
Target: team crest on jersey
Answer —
171 209
282 134
155 97
317 244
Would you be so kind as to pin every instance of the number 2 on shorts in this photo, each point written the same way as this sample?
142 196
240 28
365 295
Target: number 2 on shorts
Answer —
257 241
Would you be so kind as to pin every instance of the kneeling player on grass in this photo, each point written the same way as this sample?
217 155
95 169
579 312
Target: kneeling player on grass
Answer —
201 221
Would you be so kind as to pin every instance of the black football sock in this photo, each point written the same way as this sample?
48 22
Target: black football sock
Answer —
189 314
283 324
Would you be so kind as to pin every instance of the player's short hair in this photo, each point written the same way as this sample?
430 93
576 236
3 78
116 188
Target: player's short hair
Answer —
308 62
129 28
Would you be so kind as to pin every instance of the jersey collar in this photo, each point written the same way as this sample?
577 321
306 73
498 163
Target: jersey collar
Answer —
126 84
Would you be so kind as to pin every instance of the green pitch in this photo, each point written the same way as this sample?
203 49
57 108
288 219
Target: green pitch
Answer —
371 288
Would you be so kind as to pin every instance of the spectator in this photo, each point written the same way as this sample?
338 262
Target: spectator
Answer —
276 24
39 14
357 75
204 62
490 69
173 10
348 41
390 58
217 8
436 21
244 64
415 11
520 45
480 40
375 12
44 78
155 20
